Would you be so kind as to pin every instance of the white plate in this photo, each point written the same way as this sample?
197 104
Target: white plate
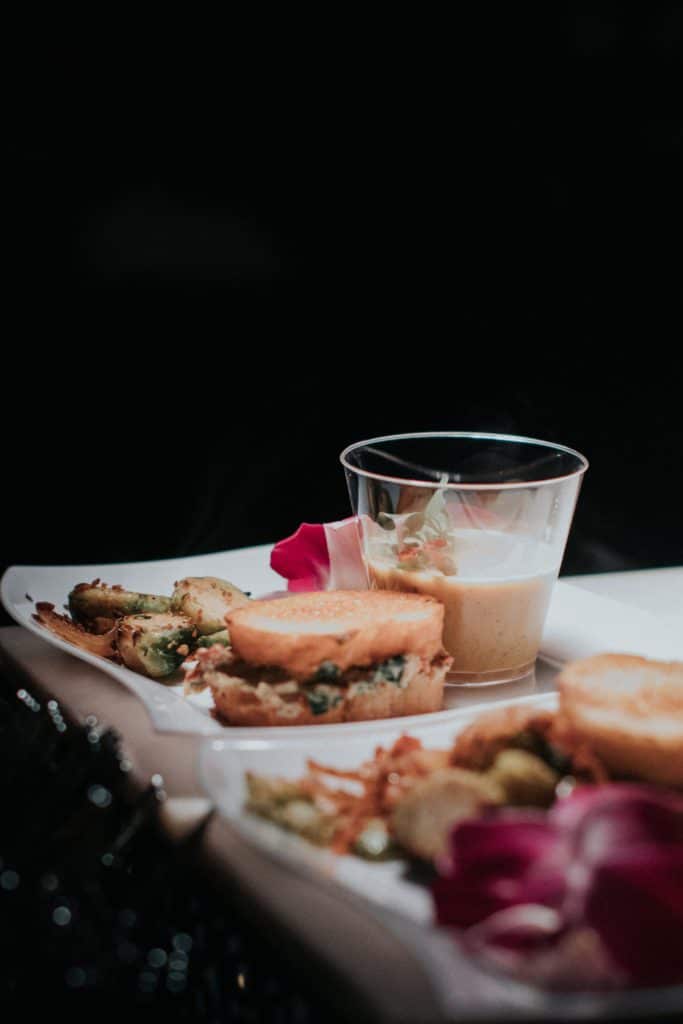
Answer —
394 893
222 767
169 709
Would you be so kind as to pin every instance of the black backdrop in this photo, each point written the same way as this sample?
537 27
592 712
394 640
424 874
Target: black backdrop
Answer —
228 264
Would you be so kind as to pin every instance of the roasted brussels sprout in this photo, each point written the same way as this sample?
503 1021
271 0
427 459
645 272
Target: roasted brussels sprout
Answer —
422 820
155 644
90 602
221 637
526 780
206 600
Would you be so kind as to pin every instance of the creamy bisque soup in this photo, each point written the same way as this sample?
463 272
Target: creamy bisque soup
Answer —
495 605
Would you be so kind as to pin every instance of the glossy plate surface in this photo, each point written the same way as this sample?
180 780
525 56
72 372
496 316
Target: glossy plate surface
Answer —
170 710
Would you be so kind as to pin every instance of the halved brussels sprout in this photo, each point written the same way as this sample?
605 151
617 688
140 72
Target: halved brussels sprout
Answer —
206 600
155 644
89 602
526 780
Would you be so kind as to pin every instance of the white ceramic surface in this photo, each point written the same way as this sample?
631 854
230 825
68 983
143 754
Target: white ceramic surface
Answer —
169 708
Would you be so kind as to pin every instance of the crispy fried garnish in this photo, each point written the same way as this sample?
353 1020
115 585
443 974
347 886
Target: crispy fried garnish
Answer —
102 624
62 626
384 781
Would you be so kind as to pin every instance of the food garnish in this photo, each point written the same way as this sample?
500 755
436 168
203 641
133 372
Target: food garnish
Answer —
589 893
425 540
321 556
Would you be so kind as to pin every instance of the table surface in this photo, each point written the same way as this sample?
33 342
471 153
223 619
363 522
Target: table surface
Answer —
659 591
303 911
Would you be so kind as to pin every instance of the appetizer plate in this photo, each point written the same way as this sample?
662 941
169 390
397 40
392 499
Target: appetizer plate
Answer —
169 708
395 893
224 762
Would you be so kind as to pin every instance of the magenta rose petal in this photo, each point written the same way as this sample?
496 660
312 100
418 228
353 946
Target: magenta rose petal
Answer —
635 903
498 863
303 559
589 894
601 818
503 844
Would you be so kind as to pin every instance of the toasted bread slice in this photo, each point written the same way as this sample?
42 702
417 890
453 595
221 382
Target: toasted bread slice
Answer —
630 710
346 627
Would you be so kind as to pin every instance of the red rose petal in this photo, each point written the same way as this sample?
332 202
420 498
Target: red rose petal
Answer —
303 558
635 903
498 863
607 861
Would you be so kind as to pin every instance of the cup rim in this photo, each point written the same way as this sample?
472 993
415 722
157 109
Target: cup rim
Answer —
457 486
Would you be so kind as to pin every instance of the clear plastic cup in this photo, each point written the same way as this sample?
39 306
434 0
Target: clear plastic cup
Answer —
479 521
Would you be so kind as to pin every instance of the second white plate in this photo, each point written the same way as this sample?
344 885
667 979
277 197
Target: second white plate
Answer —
224 762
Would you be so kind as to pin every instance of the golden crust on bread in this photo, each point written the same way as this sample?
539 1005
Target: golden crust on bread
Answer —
630 710
347 627
239 703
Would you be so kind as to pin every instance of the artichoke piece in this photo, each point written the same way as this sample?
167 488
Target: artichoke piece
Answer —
93 604
206 600
221 637
155 644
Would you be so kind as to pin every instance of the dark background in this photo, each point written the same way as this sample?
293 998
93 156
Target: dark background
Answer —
232 256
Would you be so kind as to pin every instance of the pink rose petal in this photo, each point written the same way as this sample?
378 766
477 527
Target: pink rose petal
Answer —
607 862
347 568
322 556
303 558
498 863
